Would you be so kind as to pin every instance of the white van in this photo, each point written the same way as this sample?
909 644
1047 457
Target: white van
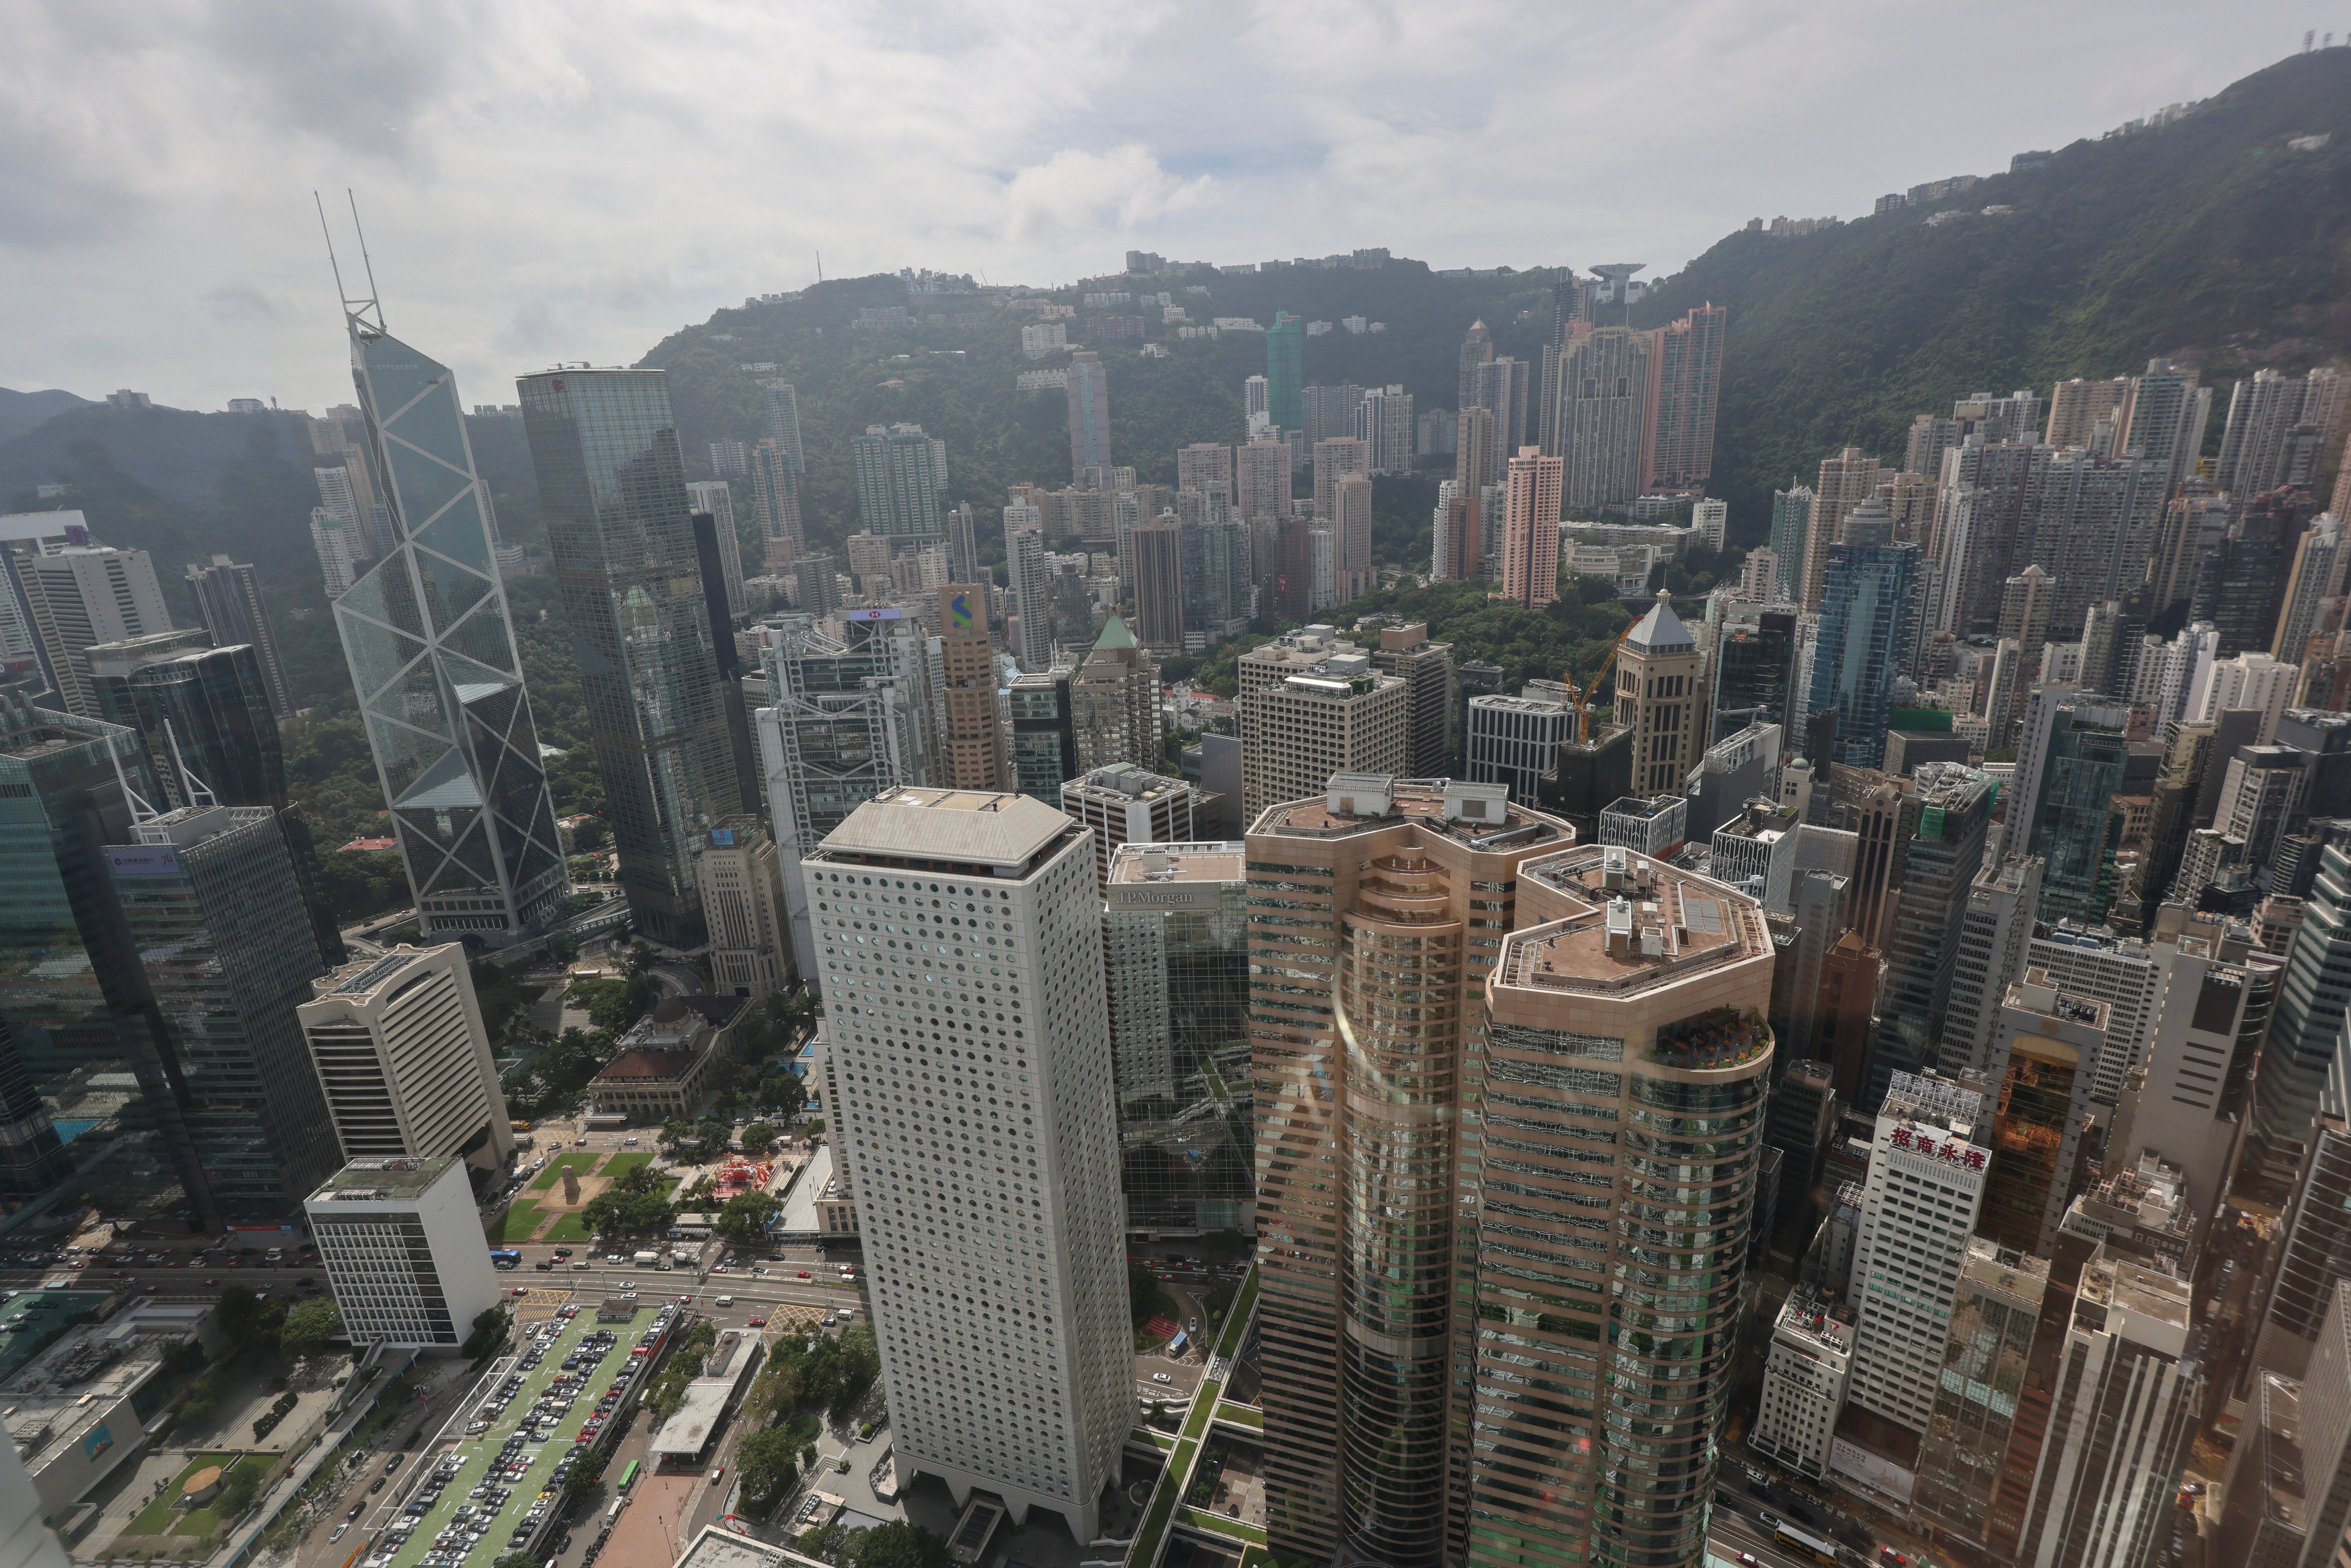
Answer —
725 1301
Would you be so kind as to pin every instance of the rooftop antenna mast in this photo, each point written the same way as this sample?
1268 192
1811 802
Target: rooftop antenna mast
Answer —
363 310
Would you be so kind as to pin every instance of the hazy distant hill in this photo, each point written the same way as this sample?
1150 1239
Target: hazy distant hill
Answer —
19 412
2208 240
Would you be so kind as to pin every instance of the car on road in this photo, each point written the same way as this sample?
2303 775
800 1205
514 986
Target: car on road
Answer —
374 1489
758 1323
357 1509
1747 1560
1161 1377
611 1257
337 1533
804 1273
715 1472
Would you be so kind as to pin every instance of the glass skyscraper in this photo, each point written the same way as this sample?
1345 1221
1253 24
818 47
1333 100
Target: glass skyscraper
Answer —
1175 952
432 654
1865 638
611 481
1285 372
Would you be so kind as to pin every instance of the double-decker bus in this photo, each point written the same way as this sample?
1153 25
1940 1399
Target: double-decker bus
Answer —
1805 1543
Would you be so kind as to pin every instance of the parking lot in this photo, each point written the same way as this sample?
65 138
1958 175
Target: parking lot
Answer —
502 1460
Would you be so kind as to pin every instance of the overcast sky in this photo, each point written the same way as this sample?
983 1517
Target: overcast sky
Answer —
546 182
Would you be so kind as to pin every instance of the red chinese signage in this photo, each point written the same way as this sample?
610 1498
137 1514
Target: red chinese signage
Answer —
1923 1141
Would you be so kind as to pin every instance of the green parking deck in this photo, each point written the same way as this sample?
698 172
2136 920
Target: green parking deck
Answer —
476 1452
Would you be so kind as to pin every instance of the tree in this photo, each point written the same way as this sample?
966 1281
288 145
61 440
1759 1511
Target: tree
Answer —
758 1138
584 1475
746 1216
636 1205
784 1093
896 1544
238 1314
237 1492
489 1332
768 1465
824 1543
308 1327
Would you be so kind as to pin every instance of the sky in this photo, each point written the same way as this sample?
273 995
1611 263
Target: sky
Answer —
547 182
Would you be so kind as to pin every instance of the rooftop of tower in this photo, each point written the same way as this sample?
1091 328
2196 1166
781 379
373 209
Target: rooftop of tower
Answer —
1146 863
1635 924
980 831
1479 815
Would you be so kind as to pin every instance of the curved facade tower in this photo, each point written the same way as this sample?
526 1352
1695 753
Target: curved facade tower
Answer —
433 656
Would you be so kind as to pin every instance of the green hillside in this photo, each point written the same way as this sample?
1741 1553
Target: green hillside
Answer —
2208 240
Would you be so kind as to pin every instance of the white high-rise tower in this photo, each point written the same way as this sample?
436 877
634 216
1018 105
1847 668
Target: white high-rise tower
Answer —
958 938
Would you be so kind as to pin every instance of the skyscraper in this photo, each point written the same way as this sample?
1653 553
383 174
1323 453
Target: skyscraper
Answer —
1684 379
2162 415
1867 586
83 595
1159 616
1351 530
1384 422
611 482
1477 350
400 1051
1089 393
1285 372
1308 708
779 410
901 481
848 721
1206 466
2046 1045
1044 739
971 748
218 923
742 900
334 539
775 508
1602 411
1977 1402
1114 703
1660 692
2071 755
2300 1051
713 499
1754 668
2264 411
1939 863
1792 518
228 598
1263 480
1426 670
1007 1357
432 658
1530 530
1175 960
1503 391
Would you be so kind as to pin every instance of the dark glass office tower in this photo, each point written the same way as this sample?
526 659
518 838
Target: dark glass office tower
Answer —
85 1032
1754 670
216 917
433 656
228 597
1175 958
611 482
1938 865
1044 734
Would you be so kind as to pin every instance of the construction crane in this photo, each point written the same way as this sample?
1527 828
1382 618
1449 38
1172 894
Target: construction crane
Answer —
1582 696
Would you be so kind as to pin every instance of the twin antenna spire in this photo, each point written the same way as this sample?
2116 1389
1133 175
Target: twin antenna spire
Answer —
364 312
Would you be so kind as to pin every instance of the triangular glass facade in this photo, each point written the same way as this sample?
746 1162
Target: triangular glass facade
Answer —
433 656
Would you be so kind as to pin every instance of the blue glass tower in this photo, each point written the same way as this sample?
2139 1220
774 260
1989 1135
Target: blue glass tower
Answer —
1865 638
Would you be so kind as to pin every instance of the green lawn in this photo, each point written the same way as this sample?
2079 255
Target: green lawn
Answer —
517 1223
161 1518
570 1228
1232 1528
1241 1415
624 1163
580 1160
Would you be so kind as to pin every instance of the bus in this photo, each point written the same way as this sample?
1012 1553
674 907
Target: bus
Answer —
1805 1542
506 1258
1175 1346
628 1475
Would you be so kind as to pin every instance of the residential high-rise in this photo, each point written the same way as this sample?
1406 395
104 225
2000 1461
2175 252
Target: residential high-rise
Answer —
1601 412
1031 580
228 598
82 595
1791 521
1208 467
2216 1007
963 544
1979 1397
901 481
401 1245
2264 411
2128 1400
1867 585
1940 862
2094 529
611 482
218 921
1384 422
2071 753
1089 393
1926 1165
1159 617
1262 480
2310 1254
1309 707
742 900
1007 1358
1502 390
847 721
2077 407
334 539
1285 372
430 649
398 1048
2162 415
1477 350
1684 379
1114 703
775 508
1530 530
1124 804
1176 962
2321 561
1847 480
971 753
779 422
1660 697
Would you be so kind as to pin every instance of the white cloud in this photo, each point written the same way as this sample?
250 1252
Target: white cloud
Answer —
572 180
